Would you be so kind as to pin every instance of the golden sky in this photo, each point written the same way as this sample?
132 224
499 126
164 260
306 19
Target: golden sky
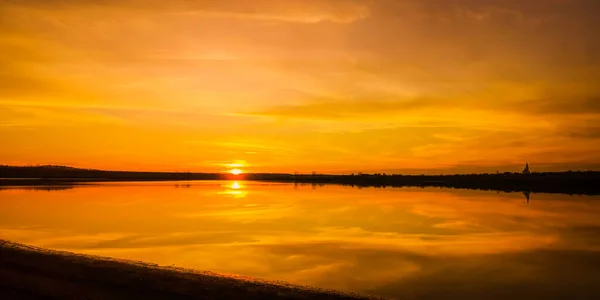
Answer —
301 85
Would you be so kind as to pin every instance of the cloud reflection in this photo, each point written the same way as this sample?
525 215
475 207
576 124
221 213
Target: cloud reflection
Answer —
390 242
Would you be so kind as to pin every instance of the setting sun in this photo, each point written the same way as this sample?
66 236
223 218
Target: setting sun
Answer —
235 171
343 148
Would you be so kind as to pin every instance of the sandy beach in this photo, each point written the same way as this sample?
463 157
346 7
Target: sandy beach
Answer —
28 272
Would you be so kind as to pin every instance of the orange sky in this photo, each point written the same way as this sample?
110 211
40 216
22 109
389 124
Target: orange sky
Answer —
301 85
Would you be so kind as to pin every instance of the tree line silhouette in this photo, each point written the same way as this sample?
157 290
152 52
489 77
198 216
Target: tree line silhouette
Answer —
580 182
63 173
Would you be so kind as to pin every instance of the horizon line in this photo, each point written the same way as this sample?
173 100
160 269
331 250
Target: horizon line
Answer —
314 173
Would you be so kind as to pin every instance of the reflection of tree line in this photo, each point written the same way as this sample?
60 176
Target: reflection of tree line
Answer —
40 188
586 183
527 194
558 182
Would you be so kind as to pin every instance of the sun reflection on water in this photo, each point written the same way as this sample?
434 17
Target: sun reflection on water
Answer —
236 186
235 190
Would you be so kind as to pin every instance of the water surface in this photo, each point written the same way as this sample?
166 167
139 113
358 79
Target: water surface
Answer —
407 243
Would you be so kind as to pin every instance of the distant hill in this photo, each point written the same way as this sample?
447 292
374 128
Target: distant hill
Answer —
58 172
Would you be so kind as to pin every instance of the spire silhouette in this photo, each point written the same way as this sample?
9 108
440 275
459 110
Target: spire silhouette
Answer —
526 170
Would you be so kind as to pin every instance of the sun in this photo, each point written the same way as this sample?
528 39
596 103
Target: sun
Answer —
235 171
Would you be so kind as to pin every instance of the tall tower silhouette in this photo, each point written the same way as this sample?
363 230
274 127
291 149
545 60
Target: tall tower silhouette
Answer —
526 170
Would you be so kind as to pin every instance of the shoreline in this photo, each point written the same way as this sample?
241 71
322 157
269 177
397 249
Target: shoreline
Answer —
29 272
570 182
573 186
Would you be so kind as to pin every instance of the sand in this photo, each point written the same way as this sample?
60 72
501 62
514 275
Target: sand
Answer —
28 272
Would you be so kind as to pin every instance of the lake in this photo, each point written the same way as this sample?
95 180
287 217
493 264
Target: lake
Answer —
407 243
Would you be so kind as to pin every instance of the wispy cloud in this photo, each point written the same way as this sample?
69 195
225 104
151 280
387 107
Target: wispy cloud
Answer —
302 11
303 85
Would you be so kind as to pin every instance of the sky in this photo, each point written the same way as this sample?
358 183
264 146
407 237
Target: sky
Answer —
340 86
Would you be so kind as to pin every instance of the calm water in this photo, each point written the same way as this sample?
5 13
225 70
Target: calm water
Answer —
405 243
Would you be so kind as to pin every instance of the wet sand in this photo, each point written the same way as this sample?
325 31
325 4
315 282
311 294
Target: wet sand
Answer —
28 272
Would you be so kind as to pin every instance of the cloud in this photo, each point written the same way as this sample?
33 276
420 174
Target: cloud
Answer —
44 117
328 109
569 105
584 132
15 86
288 11
376 83
340 109
301 11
